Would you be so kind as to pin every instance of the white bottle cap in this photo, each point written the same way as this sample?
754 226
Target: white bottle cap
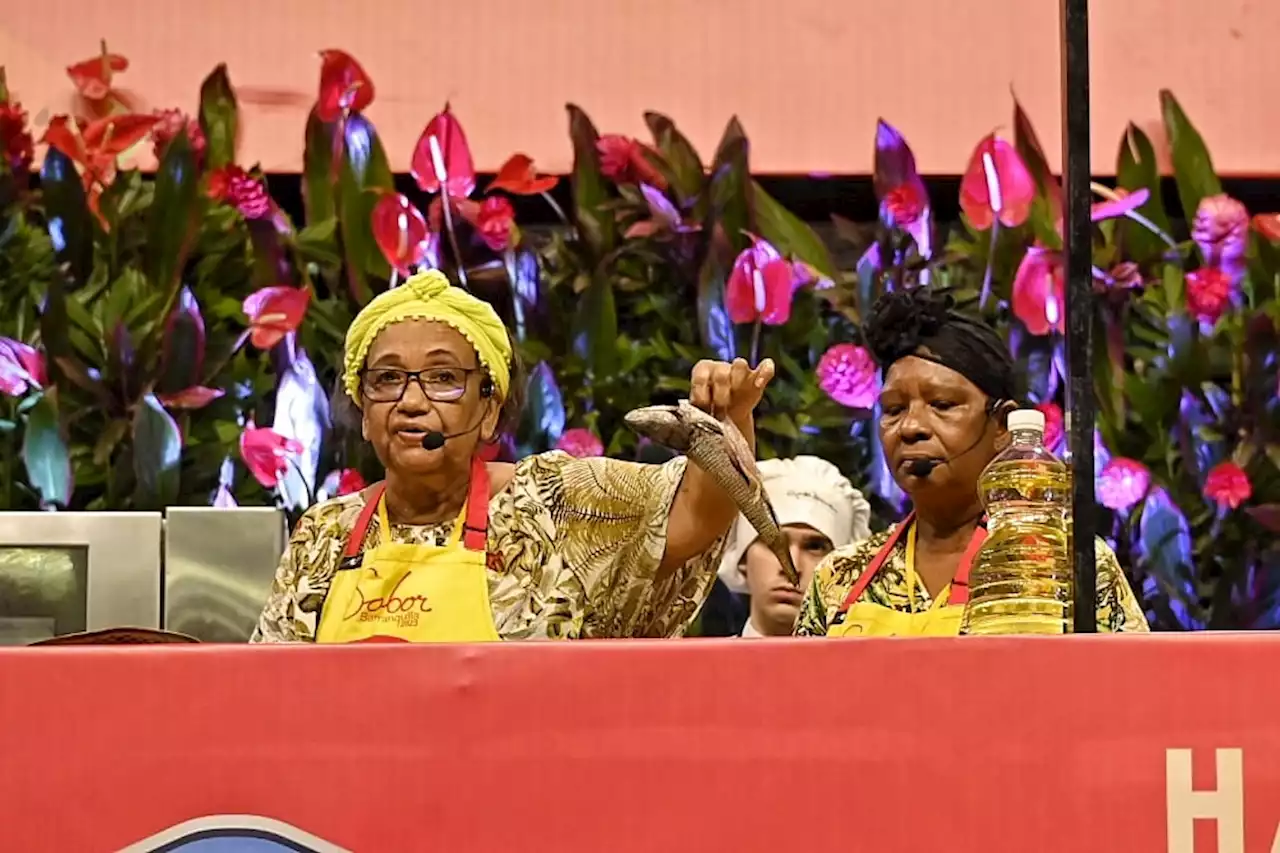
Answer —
1026 419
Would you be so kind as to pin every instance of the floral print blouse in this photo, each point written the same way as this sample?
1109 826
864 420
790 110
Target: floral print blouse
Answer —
1118 609
574 552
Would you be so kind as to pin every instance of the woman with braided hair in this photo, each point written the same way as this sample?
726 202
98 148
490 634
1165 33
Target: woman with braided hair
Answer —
948 388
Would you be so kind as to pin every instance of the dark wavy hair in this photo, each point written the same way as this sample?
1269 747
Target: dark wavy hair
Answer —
922 322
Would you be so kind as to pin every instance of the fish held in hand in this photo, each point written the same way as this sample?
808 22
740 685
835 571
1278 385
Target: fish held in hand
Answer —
718 448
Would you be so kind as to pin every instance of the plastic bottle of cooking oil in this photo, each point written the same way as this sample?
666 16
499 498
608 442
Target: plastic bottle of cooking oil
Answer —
1021 579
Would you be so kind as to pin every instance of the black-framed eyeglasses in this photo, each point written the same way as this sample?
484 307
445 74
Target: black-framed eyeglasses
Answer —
438 384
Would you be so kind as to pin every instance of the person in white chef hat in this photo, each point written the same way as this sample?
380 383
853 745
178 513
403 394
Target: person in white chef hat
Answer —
819 510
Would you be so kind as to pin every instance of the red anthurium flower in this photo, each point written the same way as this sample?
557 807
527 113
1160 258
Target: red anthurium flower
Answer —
1039 292
344 86
623 161
996 186
195 397
22 368
94 146
1228 485
265 453
496 222
1268 225
518 176
274 312
92 77
760 286
400 230
442 157
463 208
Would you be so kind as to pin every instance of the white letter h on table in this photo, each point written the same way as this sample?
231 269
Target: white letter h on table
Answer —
1183 804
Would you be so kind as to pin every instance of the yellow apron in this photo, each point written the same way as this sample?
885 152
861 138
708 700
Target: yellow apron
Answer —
413 593
866 619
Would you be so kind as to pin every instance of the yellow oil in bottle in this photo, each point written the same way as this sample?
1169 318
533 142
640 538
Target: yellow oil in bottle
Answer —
1021 579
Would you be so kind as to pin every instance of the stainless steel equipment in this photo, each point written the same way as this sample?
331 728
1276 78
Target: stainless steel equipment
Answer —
218 567
77 571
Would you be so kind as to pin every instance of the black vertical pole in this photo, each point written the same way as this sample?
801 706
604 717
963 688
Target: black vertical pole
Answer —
1077 246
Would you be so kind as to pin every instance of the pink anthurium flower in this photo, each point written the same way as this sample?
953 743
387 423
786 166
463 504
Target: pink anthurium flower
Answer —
400 230
442 157
996 186
1039 285
265 453
517 176
1039 291
274 312
22 368
760 287
344 86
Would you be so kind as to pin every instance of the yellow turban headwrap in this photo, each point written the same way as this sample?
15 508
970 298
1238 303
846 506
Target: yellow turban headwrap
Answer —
430 296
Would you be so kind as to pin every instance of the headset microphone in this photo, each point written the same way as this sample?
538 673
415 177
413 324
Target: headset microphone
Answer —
435 439
920 467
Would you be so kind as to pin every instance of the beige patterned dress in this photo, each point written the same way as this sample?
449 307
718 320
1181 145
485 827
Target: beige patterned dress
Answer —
1118 609
574 544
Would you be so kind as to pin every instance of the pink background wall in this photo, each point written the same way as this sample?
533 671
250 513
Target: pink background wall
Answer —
808 78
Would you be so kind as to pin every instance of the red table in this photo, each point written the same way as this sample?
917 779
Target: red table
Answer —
1079 745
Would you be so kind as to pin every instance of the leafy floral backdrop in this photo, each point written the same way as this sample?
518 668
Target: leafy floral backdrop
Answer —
175 338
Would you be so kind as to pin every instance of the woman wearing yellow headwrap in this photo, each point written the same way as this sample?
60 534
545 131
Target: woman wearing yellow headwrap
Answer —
454 549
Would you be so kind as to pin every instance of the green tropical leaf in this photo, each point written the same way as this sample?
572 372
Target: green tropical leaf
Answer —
789 234
219 118
1028 146
318 171
714 326
173 220
1136 168
317 243
157 455
363 173
45 454
591 191
730 198
1192 166
684 165
67 214
595 338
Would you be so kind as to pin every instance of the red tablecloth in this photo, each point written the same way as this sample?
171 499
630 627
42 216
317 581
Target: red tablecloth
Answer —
1079 745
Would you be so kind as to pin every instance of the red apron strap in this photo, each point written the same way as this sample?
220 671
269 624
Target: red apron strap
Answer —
475 529
960 583
868 574
355 542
